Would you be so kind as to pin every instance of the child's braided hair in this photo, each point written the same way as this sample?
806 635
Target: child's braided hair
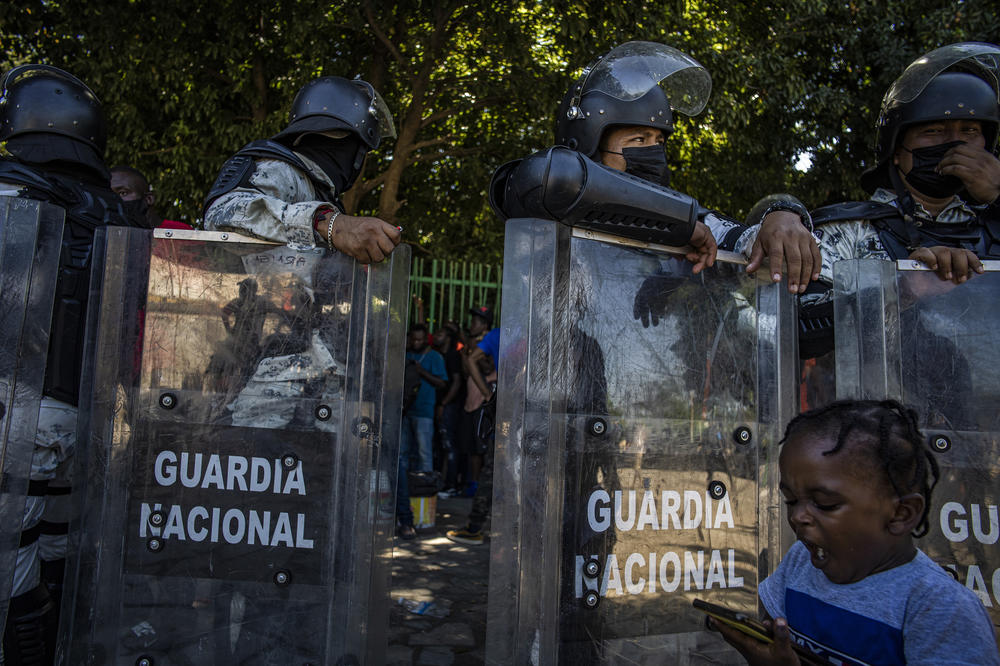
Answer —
889 431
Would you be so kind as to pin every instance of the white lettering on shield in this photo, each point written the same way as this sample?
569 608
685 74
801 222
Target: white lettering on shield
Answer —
663 571
258 475
235 526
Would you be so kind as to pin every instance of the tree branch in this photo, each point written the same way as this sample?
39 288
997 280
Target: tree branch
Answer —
367 186
427 143
382 37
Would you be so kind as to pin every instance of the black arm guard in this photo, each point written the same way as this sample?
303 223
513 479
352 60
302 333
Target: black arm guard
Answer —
563 185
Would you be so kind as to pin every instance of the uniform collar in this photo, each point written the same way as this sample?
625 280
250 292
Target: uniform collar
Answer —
957 211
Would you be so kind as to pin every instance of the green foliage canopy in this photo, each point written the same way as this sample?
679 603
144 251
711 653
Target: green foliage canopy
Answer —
474 84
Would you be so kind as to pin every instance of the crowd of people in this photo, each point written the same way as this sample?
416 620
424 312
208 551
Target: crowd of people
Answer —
935 198
447 430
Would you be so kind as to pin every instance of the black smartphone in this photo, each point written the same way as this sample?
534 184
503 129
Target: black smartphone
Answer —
751 627
736 619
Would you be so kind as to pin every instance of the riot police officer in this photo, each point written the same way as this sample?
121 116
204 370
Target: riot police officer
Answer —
288 188
619 114
935 189
55 134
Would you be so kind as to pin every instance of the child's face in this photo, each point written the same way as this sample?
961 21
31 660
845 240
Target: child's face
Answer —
840 507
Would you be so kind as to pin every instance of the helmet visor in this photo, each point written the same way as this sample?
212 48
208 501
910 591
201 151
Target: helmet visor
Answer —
380 110
979 58
630 70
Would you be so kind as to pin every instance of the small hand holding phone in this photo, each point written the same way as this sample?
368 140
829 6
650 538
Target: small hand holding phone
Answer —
736 620
751 627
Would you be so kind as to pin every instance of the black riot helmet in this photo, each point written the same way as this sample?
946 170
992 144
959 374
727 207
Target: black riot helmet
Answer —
41 99
955 82
636 83
332 103
336 104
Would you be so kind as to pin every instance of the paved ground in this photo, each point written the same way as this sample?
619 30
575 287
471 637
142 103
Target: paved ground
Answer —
453 578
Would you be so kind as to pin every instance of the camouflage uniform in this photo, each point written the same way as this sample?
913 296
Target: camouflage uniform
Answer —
722 229
280 205
859 239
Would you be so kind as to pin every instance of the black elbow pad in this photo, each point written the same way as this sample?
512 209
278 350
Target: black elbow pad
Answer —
566 186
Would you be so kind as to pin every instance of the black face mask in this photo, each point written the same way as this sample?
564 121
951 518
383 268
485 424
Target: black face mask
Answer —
648 163
923 175
335 156
136 210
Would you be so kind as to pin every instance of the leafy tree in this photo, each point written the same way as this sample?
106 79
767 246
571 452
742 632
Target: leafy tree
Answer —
474 84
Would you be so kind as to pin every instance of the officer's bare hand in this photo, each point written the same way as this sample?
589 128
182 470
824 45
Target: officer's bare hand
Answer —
757 653
979 170
367 239
950 263
703 248
784 239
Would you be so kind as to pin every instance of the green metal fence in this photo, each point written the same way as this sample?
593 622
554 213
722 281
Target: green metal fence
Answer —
449 289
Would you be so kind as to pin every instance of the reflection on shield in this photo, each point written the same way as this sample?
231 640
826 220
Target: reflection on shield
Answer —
634 463
240 454
903 333
30 241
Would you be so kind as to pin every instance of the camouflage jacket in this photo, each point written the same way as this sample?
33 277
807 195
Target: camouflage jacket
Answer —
730 234
859 239
278 204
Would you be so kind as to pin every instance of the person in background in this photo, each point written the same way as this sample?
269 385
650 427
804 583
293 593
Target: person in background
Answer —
133 187
481 364
417 432
447 412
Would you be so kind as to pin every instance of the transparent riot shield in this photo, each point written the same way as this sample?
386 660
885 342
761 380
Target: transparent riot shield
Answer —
30 240
639 411
241 452
903 333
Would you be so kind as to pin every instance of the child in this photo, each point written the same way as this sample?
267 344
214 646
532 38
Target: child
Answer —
857 479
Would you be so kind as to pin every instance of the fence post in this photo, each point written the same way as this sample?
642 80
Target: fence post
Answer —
453 288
